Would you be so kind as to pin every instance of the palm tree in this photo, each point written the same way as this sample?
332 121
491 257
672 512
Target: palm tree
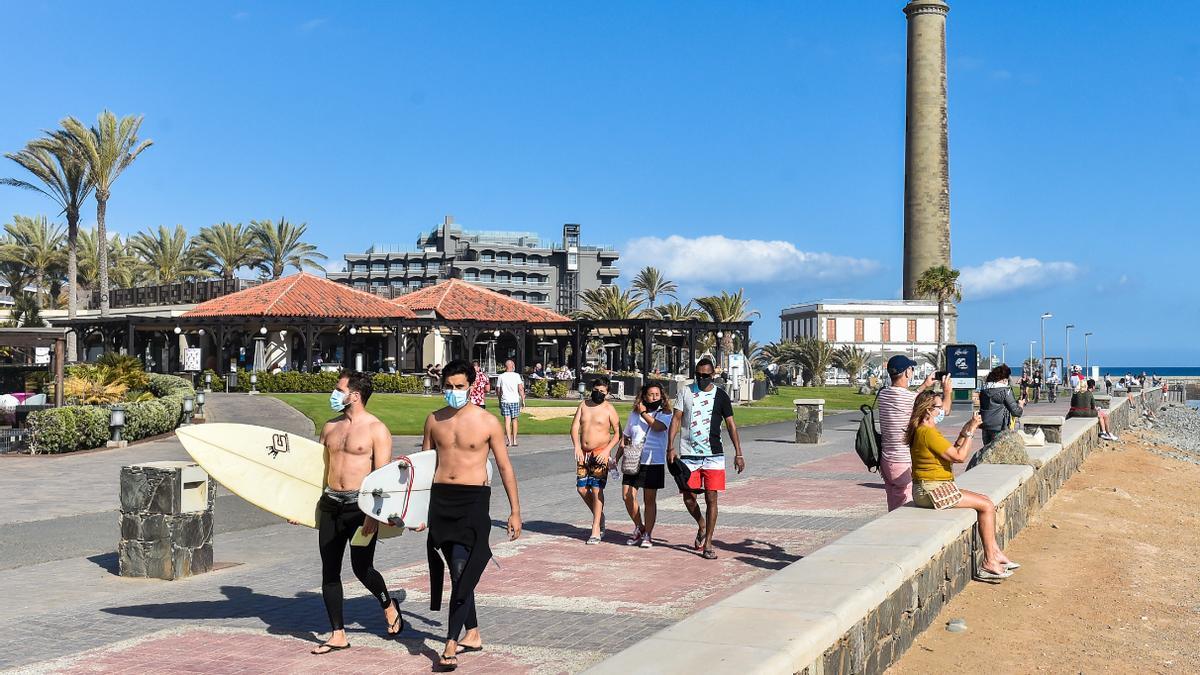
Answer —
816 356
674 311
166 256
608 302
36 244
727 308
109 147
940 283
122 262
125 266
851 359
224 248
651 284
25 311
281 246
63 173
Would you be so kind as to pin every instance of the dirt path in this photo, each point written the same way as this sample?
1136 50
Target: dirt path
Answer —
1109 583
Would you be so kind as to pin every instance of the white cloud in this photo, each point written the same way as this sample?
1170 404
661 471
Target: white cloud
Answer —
720 260
335 266
312 24
1004 276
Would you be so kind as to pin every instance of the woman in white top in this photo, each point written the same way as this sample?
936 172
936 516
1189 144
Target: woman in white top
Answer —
645 434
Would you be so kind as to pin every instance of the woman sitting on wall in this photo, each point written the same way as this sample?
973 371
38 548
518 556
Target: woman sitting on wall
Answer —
933 483
1083 404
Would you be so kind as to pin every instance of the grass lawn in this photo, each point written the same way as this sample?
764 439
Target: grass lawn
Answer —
836 398
405 413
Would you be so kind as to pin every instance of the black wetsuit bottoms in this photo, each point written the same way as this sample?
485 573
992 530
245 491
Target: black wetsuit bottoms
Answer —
458 533
338 517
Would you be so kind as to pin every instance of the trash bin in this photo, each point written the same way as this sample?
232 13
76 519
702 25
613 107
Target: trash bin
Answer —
166 520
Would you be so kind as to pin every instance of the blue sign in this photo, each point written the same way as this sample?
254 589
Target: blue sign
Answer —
962 361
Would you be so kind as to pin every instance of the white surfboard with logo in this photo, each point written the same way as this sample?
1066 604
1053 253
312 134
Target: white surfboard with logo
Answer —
276 471
399 492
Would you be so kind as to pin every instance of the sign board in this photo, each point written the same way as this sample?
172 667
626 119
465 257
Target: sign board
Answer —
737 364
191 359
41 356
963 362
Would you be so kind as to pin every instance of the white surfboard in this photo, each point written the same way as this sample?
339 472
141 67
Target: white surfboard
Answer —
276 471
399 492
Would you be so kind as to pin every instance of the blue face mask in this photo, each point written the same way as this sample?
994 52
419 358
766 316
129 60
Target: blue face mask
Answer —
941 415
337 401
456 398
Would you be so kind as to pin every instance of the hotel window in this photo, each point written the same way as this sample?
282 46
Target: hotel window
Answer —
831 330
858 330
885 330
912 330
503 258
487 256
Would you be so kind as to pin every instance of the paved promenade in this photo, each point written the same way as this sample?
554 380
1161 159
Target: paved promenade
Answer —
551 604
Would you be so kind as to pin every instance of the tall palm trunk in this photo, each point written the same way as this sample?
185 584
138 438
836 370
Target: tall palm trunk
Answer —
72 278
102 254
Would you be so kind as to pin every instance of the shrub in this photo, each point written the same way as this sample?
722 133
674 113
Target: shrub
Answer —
539 388
218 382
559 390
295 382
80 427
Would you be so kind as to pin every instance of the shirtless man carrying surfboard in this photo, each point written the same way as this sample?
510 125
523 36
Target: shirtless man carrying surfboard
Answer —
459 522
356 443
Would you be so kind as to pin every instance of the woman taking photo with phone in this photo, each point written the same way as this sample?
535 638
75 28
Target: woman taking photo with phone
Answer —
933 482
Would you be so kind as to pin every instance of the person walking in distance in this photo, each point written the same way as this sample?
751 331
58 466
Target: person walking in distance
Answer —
459 521
645 436
356 443
895 405
702 407
511 389
595 431
480 387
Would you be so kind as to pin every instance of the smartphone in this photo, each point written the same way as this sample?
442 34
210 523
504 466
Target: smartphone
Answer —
939 375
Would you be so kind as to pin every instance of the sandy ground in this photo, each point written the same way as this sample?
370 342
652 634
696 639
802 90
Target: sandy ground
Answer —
1109 581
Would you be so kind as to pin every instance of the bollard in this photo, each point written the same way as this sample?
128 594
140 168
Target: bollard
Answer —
810 412
166 520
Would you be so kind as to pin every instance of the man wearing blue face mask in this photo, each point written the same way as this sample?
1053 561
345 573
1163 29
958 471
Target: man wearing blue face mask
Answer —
356 443
459 521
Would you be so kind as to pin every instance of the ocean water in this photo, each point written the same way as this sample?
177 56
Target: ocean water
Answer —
1118 372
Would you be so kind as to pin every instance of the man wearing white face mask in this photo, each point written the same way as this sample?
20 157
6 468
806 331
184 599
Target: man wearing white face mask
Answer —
356 443
459 522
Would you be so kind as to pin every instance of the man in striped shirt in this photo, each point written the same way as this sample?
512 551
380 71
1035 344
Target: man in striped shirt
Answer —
895 406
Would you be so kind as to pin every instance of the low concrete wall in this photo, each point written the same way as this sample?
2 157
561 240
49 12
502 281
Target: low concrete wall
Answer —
855 605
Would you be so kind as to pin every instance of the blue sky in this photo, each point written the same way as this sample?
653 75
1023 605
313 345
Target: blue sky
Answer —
1074 131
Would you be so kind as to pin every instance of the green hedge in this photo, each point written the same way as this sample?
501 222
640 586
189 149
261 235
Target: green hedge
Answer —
81 427
293 382
539 388
559 390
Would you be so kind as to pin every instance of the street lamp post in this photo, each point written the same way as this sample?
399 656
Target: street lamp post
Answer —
1087 364
1068 348
1003 352
991 343
1031 344
1045 315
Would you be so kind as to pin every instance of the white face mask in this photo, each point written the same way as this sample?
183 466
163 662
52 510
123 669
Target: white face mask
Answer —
455 398
337 401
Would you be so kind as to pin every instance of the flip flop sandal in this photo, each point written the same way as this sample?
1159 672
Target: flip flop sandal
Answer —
399 620
463 649
1010 565
330 648
985 574
709 554
699 543
448 663
592 540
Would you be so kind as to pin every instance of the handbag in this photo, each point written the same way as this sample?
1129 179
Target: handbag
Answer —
1035 440
945 496
631 458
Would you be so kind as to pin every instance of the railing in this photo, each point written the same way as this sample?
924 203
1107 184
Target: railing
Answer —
183 293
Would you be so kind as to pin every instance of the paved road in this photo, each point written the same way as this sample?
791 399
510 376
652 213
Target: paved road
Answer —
552 604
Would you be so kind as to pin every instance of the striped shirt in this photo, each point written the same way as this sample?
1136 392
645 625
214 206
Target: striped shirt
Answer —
895 409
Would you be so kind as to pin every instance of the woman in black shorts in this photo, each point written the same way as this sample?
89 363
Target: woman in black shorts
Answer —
645 434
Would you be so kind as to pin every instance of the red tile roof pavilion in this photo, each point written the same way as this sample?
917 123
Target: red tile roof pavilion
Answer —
458 300
301 295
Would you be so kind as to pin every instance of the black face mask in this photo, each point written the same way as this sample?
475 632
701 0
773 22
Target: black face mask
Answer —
599 396
651 406
704 380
